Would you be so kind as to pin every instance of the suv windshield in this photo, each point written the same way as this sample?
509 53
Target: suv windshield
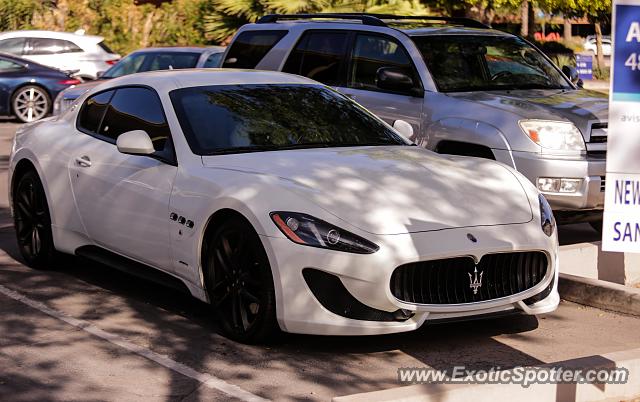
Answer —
248 118
460 63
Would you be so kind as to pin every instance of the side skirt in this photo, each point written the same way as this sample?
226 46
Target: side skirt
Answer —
126 265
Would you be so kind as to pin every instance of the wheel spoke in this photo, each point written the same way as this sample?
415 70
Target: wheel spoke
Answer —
249 296
223 263
23 209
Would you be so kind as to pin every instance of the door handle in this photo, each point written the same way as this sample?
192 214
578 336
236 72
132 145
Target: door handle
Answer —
83 161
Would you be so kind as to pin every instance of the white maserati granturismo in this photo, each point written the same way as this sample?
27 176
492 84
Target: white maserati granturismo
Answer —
282 203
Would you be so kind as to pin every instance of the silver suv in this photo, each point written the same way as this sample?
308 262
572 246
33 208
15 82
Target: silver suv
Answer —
465 88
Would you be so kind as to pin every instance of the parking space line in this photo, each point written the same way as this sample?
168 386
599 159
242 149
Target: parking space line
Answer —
206 379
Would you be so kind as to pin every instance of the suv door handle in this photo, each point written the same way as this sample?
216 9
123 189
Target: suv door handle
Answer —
83 161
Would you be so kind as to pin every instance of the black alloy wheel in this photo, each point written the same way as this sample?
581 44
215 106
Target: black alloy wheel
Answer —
239 282
32 221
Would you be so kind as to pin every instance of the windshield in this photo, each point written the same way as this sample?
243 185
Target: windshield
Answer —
248 118
147 61
461 63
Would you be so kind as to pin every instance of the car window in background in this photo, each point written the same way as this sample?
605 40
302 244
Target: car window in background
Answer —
461 63
172 61
106 48
12 46
213 61
42 46
248 118
93 111
136 109
372 52
128 65
319 56
250 47
8 65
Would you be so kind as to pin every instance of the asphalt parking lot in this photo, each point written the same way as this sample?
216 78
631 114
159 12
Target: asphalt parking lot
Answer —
86 332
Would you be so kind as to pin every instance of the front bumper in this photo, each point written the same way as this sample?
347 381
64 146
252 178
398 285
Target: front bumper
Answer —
367 278
592 171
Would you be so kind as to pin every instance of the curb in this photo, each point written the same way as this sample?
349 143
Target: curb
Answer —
580 392
600 294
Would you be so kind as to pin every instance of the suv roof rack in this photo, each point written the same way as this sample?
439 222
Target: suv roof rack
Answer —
374 19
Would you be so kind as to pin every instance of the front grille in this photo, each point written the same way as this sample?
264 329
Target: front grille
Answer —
449 281
602 183
599 133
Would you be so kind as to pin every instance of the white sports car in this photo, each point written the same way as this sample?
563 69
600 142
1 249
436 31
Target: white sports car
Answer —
282 203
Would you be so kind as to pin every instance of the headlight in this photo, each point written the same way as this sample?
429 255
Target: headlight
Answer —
309 231
546 216
556 135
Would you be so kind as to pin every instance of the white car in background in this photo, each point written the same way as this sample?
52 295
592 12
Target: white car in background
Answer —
84 55
282 203
591 46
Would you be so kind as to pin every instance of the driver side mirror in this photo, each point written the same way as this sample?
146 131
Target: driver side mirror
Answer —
572 74
404 128
99 74
136 142
395 79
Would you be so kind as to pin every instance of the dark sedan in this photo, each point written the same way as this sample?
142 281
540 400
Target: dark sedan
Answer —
27 88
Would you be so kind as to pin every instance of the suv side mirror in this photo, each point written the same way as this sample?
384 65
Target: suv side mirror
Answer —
571 73
404 128
394 79
136 142
99 74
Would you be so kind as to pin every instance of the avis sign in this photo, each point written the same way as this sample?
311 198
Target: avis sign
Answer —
621 228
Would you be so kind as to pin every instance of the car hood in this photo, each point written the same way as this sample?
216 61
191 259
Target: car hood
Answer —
394 189
581 107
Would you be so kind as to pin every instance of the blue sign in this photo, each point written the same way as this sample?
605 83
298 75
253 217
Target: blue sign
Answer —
584 65
626 66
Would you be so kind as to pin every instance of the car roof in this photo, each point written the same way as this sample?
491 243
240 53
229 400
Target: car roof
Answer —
181 49
168 80
51 34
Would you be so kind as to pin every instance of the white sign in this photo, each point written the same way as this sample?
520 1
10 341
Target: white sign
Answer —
621 227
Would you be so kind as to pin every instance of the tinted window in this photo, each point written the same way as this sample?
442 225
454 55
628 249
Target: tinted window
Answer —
42 46
213 60
319 56
8 65
372 52
248 118
12 46
136 109
173 61
250 47
482 63
104 47
129 65
93 111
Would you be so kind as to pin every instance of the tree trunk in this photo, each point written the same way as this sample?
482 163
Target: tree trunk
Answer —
567 29
524 16
600 55
532 20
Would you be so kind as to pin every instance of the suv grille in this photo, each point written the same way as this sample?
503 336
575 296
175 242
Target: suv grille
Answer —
448 281
597 145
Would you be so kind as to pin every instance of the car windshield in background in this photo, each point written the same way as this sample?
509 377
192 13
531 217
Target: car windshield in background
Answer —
147 61
461 63
248 118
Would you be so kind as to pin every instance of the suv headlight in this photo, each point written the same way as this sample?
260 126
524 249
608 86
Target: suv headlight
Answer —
546 216
555 135
309 231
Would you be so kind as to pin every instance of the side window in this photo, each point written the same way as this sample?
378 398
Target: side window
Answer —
372 52
213 61
250 47
136 109
8 65
93 111
12 46
173 61
319 56
42 46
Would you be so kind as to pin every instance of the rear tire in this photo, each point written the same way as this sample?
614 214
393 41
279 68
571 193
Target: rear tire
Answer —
32 222
597 226
30 103
239 282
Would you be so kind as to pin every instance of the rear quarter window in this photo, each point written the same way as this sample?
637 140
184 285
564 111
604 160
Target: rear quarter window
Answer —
250 47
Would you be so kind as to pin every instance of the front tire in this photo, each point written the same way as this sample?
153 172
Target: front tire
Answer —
32 222
239 282
597 226
30 103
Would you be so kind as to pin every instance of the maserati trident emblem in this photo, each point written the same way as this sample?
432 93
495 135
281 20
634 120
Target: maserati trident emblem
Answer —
472 238
475 282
